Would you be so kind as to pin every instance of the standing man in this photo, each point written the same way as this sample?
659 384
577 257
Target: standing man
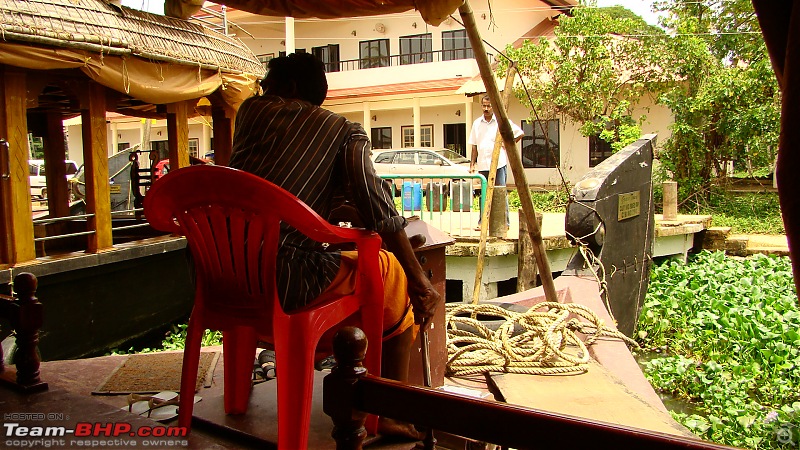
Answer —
285 137
482 137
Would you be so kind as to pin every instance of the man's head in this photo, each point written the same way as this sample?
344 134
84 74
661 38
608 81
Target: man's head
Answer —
486 105
299 75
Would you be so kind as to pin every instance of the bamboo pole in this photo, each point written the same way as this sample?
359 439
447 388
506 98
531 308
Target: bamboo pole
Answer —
514 159
487 207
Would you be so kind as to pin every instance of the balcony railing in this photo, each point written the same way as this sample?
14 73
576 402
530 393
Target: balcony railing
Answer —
395 60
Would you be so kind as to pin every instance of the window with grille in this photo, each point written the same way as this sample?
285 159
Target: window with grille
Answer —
416 49
599 150
329 55
540 149
455 45
425 136
194 147
455 137
374 53
381 137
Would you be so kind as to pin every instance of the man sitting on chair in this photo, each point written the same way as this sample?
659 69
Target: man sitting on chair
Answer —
323 159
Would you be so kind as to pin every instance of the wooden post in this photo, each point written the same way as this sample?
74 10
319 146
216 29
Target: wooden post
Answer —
50 127
526 260
15 190
95 160
514 158
178 134
223 134
498 221
670 200
490 191
349 349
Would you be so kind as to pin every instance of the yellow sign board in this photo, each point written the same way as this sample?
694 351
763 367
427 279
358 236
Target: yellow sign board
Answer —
629 205
115 188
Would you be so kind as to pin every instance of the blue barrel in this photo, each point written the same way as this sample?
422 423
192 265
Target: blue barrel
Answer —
412 196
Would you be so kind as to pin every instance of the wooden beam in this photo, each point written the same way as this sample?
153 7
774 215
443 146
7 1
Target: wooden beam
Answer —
15 190
178 134
50 128
514 158
223 134
95 160
488 207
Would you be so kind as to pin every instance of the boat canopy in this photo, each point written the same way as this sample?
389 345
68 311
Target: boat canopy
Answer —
149 57
433 12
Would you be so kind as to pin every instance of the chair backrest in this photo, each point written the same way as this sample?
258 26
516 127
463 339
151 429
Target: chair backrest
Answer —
231 220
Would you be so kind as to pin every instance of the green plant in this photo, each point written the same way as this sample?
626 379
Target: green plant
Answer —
757 212
174 339
727 334
543 201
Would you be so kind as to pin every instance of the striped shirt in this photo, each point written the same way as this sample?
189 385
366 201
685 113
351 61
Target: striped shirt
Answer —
321 158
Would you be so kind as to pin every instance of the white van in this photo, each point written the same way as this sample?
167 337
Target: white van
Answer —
38 179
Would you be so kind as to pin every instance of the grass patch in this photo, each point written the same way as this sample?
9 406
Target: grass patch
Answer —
747 213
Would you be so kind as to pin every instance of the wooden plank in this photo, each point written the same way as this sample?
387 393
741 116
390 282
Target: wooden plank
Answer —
594 395
95 156
178 134
15 191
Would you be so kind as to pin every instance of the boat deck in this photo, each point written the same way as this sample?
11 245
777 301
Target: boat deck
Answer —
612 391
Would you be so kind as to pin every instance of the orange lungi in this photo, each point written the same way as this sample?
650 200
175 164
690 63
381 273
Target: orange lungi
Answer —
397 312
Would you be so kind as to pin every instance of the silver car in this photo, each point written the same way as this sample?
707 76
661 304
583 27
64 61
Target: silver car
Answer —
418 163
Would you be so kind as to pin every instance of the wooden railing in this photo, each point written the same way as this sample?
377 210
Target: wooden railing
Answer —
25 315
350 394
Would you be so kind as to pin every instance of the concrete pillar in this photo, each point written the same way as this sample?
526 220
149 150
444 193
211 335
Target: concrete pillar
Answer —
498 226
367 123
670 200
468 122
417 122
290 35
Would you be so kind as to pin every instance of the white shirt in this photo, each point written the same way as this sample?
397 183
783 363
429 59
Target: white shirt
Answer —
483 135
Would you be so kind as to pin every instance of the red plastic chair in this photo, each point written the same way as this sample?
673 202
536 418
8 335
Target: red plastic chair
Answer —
231 221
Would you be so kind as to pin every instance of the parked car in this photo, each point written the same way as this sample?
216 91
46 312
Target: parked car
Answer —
420 163
38 179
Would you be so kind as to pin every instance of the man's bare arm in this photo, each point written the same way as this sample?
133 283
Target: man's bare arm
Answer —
424 298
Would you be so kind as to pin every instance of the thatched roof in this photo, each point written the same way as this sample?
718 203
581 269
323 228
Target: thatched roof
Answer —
101 27
150 57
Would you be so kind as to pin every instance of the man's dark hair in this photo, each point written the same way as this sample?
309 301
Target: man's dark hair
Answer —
299 75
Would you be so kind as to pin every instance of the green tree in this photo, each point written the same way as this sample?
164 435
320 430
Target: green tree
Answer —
594 72
726 107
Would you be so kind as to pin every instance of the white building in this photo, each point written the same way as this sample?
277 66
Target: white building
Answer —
408 83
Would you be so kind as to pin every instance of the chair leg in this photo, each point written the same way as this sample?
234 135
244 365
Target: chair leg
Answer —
191 359
374 330
295 375
238 349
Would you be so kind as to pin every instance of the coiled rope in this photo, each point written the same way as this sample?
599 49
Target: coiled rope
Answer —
548 344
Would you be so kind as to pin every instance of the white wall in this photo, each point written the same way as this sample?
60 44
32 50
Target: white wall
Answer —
129 130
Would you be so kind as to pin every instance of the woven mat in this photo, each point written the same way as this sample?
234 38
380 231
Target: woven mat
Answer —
155 372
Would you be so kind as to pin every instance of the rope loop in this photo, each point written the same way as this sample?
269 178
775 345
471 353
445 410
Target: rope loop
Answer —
550 338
